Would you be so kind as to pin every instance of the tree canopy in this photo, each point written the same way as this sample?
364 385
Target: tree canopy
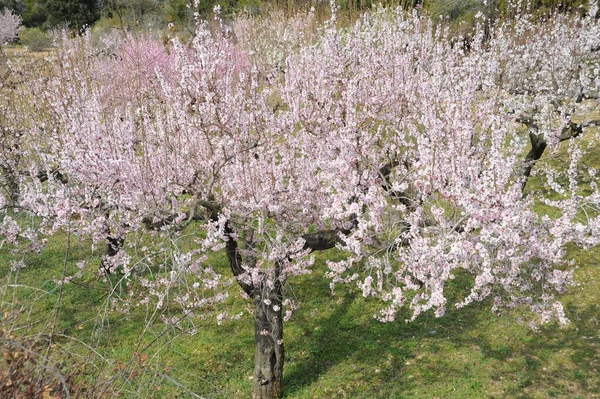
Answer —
76 14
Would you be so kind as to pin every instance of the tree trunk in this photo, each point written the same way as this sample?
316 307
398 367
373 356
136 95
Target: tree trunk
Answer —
113 245
538 145
268 332
267 298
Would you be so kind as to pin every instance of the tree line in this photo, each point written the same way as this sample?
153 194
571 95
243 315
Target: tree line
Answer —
77 14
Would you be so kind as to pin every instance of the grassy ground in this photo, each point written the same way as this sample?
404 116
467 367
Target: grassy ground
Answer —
334 347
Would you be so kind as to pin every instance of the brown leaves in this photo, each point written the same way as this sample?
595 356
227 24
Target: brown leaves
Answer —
23 372
47 393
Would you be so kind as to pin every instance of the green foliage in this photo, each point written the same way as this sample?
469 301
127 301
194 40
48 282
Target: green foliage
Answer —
16 6
35 39
251 6
454 9
35 14
131 13
563 5
76 14
464 10
177 12
180 13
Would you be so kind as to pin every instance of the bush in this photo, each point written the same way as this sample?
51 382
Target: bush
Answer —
453 9
35 39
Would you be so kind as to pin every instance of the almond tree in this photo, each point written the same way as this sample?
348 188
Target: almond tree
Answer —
9 26
385 139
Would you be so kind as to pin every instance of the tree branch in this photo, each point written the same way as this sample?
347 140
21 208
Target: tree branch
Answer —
236 261
538 143
56 173
324 239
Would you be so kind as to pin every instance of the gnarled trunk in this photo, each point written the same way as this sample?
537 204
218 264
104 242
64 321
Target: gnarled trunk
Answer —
268 333
267 298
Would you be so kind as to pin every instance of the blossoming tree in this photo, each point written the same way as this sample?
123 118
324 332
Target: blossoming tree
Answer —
9 26
386 139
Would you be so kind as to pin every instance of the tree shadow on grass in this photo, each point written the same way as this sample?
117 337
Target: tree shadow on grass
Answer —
467 349
372 352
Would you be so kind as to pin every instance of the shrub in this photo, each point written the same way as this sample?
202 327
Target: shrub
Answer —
35 39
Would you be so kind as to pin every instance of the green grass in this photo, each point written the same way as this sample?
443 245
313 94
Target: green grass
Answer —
334 346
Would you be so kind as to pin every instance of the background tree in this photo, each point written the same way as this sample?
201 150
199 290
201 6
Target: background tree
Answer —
131 14
35 14
9 26
74 13
16 6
